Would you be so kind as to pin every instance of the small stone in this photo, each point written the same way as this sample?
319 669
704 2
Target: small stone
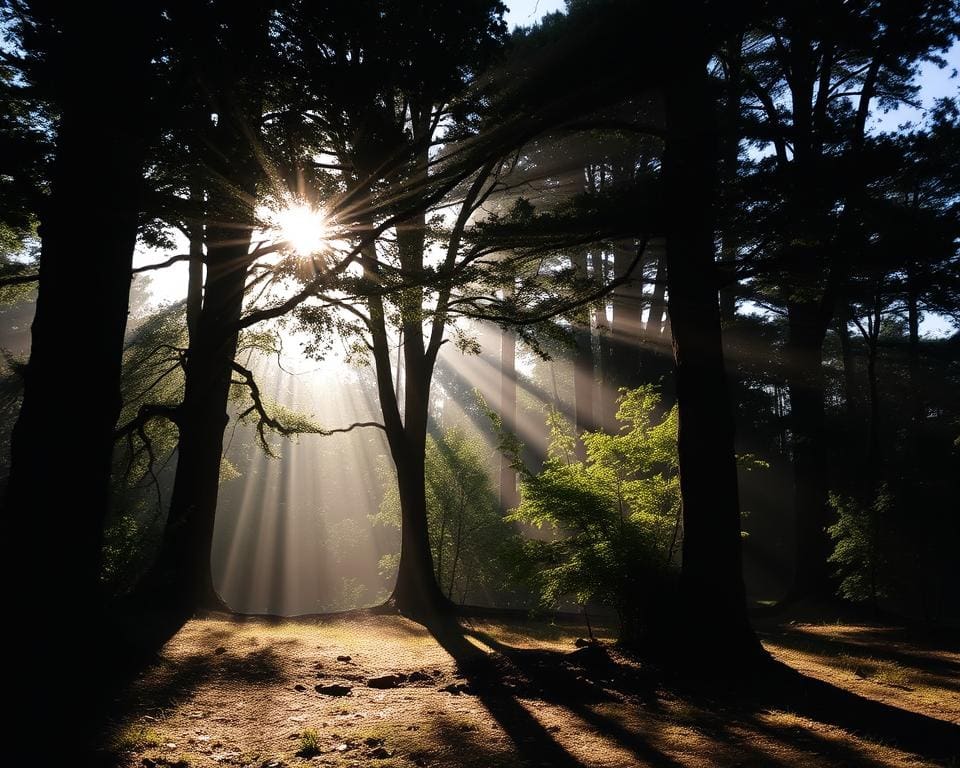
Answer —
342 747
386 681
581 643
344 658
380 753
419 677
219 650
299 687
333 690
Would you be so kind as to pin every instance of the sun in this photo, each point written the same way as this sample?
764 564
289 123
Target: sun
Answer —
304 227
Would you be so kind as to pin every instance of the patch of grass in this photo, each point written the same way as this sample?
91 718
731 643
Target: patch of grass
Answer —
878 670
135 738
309 743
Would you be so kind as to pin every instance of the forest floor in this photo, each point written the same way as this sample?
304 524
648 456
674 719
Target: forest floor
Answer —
490 694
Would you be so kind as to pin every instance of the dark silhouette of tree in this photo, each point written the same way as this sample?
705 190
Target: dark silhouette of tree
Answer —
809 83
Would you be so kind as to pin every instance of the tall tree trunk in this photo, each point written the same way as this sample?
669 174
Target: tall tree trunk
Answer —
913 349
807 424
849 366
72 379
183 569
508 413
58 493
583 371
714 624
195 230
417 593
622 360
655 363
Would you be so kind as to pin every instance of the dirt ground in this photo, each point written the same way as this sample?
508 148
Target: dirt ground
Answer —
298 693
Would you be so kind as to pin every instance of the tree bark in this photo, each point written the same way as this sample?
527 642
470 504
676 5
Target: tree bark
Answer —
508 413
183 573
807 424
583 364
58 494
712 592
88 233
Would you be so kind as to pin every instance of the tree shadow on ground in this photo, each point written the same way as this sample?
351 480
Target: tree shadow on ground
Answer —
583 681
869 646
501 679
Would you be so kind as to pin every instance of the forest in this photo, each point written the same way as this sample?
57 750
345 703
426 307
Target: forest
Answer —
481 383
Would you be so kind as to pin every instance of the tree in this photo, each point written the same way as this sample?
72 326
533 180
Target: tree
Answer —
471 544
712 594
809 83
614 516
101 140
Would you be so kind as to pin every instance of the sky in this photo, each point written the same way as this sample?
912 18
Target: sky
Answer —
523 13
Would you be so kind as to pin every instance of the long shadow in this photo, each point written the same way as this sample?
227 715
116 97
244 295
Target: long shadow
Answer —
946 670
495 681
789 690
780 687
571 686
529 737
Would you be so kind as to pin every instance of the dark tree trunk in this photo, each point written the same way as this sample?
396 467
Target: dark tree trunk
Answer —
807 425
508 413
195 230
714 625
655 352
849 367
58 495
183 571
417 593
88 232
621 352
583 370
913 349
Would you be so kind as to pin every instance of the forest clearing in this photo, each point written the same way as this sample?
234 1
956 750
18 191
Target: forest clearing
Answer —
482 692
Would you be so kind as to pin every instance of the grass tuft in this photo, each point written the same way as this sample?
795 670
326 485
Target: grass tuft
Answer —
309 743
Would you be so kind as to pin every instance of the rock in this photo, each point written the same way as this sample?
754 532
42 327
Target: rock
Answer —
343 747
589 655
343 658
581 643
380 753
219 649
457 688
386 681
148 763
333 690
299 687
370 741
419 677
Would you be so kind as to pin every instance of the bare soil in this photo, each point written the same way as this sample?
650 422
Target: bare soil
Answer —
244 692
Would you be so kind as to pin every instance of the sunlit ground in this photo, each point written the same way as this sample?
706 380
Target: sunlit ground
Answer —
244 693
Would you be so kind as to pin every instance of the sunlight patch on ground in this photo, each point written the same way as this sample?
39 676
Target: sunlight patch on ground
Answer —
242 692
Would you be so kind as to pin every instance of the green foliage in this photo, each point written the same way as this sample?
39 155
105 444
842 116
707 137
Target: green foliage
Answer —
858 545
614 517
309 743
472 546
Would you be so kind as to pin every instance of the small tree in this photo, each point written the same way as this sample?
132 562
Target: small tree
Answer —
858 546
471 544
615 516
